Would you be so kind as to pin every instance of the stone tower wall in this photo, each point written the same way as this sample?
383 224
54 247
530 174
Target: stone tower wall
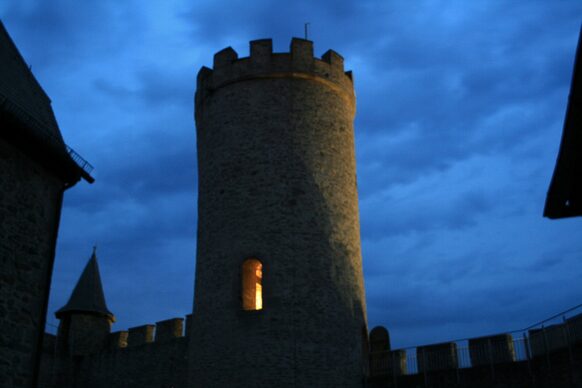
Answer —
81 334
30 202
277 182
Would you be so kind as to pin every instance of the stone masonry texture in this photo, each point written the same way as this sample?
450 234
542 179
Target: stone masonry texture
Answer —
277 182
85 334
158 361
156 364
30 199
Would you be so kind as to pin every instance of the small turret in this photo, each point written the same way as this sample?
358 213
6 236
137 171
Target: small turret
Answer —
85 319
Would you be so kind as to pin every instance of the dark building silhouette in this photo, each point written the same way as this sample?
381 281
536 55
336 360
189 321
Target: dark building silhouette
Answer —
84 329
564 197
85 353
36 167
87 296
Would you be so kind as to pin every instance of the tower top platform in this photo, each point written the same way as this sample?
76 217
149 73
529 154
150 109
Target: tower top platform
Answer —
300 63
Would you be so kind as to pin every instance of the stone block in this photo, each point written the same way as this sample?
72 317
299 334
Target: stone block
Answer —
491 350
388 363
379 339
169 329
140 335
548 339
437 357
118 340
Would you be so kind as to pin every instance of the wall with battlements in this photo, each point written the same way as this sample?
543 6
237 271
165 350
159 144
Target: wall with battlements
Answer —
156 356
546 357
144 356
262 63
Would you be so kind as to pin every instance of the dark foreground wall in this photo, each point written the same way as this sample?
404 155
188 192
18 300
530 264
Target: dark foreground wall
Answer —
559 369
48 361
147 356
30 201
148 365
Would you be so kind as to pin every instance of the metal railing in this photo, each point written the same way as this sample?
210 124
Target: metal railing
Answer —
42 130
81 162
561 332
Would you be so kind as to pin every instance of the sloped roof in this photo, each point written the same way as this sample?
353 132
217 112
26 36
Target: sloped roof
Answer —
564 197
22 91
87 296
27 120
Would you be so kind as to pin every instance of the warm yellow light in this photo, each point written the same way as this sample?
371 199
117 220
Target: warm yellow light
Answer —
258 297
252 290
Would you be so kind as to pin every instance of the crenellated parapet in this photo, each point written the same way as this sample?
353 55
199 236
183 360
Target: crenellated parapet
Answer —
161 332
140 335
117 340
262 63
150 355
169 329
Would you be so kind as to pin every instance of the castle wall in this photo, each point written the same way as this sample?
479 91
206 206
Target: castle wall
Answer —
495 361
30 201
155 365
85 333
148 356
48 361
277 182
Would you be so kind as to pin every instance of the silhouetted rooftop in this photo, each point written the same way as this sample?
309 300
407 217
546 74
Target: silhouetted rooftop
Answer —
20 88
565 193
27 117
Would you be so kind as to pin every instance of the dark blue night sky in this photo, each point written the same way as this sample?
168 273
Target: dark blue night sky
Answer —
460 112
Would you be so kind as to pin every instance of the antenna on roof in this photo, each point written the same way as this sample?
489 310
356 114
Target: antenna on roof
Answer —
94 249
306 25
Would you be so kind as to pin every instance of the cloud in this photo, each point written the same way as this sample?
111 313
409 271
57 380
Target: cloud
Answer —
460 107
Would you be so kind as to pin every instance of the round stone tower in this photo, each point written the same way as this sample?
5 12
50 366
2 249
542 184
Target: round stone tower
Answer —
279 295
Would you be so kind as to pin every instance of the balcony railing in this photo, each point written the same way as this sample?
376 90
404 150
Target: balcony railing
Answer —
41 129
559 333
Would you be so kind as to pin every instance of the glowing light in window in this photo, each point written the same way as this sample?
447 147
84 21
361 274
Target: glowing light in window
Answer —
252 288
259 297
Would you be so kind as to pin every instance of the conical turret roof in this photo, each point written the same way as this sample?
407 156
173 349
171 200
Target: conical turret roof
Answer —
88 297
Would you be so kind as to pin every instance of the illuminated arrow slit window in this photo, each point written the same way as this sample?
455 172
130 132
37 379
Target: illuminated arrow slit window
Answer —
252 288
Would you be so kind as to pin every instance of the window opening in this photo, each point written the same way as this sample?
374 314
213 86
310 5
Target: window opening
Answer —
252 286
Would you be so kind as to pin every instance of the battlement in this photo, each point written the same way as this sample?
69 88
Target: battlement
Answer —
162 331
142 356
299 63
